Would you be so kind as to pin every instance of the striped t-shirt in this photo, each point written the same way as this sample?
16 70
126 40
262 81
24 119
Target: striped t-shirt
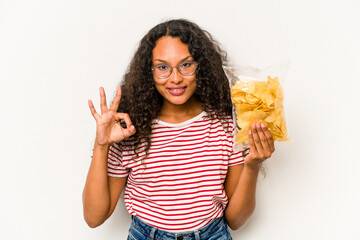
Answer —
180 185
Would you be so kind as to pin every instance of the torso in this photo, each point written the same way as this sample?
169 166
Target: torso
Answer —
180 185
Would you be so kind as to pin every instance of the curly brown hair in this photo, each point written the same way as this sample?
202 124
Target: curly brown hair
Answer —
141 100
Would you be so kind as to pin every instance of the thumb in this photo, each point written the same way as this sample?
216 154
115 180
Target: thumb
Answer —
129 131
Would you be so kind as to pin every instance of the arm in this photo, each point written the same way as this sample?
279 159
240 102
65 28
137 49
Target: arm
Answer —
101 193
241 193
240 184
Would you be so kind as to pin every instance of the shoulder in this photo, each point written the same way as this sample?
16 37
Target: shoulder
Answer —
225 120
123 146
224 117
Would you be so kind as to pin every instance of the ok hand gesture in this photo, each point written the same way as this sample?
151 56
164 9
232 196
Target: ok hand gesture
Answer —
108 128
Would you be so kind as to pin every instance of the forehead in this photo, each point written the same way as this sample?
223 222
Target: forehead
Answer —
170 49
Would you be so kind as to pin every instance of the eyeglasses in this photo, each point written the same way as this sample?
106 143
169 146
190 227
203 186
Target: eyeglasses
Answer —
163 71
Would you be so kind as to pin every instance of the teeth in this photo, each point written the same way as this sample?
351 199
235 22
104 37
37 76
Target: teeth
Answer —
177 89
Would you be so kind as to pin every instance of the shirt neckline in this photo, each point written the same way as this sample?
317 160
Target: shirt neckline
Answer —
182 124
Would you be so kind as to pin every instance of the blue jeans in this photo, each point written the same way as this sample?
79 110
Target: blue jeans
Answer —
215 230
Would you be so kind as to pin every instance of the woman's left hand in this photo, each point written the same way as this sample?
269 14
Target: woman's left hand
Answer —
261 145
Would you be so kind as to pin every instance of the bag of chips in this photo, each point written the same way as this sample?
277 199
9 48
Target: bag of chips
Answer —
258 97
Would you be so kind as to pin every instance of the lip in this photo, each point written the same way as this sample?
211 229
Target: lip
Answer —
176 91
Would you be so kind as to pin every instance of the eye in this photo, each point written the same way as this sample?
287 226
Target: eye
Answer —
186 64
162 67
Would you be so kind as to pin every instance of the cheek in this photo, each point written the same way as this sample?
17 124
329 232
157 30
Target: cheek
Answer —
159 88
193 83
159 83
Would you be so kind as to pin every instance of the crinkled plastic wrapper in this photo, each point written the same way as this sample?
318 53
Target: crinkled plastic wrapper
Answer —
257 101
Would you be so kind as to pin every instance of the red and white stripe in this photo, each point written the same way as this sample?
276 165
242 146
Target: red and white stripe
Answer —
179 186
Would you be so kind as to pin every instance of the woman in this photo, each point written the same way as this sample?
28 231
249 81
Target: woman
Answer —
169 140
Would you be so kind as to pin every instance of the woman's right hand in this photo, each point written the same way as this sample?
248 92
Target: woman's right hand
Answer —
108 127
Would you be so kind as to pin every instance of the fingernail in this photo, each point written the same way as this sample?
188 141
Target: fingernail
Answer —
249 132
263 125
254 126
258 125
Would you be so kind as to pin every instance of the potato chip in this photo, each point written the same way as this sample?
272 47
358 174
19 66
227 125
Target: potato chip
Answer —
257 101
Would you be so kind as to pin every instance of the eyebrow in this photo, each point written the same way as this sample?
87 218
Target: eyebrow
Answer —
160 60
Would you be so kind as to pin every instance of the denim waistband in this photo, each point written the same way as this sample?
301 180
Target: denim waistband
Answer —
215 227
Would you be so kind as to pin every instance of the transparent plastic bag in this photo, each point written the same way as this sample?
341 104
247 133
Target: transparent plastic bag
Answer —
257 96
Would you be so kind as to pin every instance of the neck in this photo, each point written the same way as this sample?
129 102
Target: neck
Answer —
179 113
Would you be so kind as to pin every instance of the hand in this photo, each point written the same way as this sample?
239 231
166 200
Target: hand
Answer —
261 145
108 128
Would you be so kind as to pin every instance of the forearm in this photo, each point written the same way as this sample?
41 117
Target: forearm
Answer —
242 202
96 195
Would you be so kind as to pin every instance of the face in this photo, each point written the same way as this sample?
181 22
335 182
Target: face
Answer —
176 89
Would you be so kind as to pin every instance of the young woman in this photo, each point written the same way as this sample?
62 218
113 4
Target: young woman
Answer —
167 138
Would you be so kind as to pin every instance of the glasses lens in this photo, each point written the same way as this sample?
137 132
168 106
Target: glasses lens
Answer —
187 68
162 71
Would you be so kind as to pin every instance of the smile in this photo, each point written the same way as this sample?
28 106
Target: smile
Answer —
176 91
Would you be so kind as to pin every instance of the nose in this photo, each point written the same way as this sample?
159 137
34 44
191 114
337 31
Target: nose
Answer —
175 76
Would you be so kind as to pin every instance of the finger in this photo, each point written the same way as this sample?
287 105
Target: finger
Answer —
129 131
257 140
125 117
116 102
268 137
263 140
103 105
251 142
92 110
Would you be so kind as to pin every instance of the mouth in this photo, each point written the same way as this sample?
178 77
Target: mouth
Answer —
176 91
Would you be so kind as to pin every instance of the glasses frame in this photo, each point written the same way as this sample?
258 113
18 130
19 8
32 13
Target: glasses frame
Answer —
172 67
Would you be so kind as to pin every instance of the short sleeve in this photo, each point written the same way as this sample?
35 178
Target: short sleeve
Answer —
115 163
238 152
237 156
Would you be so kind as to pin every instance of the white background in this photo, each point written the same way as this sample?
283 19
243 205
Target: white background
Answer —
55 54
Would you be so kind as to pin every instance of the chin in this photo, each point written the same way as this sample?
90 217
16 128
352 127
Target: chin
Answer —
178 101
